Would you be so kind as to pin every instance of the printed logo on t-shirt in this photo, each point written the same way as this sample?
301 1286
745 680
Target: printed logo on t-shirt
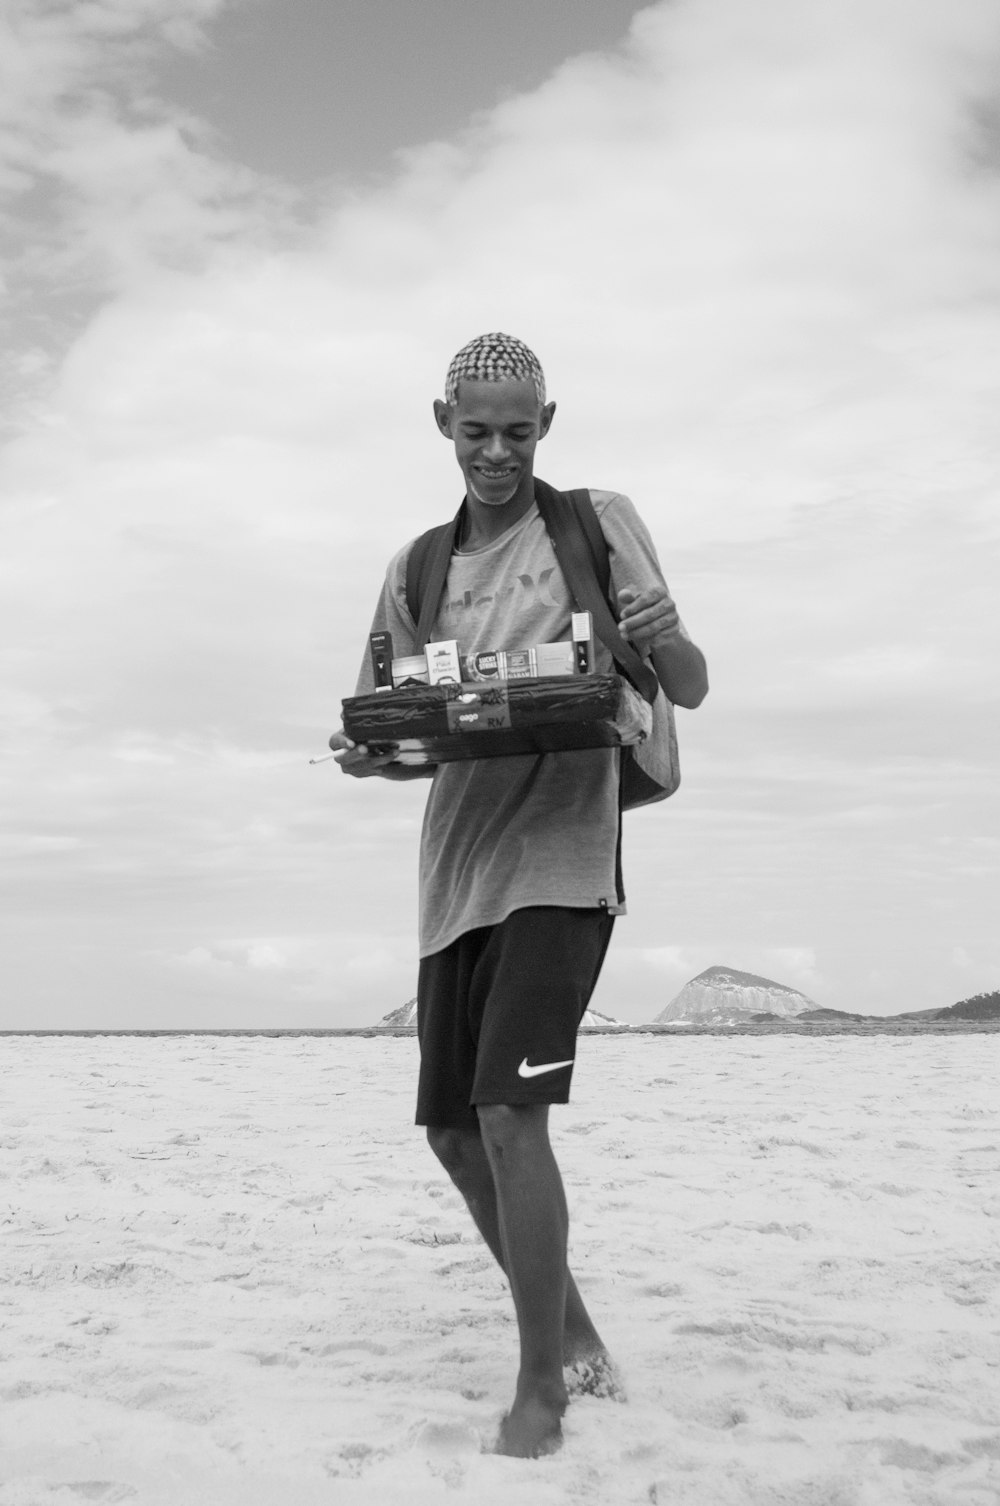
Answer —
525 592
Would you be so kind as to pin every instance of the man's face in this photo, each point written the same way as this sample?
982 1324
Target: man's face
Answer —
495 427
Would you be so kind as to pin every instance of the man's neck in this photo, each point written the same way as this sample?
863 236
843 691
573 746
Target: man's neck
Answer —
484 524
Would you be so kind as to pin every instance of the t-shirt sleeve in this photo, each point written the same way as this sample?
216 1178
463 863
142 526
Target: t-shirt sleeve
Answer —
391 616
631 552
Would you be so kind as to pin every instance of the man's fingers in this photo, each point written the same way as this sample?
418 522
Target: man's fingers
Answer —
354 758
634 603
649 620
359 761
662 619
654 613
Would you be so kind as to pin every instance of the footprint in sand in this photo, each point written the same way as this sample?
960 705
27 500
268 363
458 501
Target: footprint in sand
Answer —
106 1491
346 1346
449 1438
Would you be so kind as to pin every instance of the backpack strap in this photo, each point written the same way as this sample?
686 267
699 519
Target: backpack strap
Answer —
582 552
426 571
587 519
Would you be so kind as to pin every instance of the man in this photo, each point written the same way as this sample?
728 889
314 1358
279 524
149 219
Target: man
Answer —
519 870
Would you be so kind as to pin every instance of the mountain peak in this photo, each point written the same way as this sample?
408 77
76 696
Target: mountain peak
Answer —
731 976
727 996
402 1018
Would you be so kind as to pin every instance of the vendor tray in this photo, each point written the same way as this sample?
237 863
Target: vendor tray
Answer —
488 719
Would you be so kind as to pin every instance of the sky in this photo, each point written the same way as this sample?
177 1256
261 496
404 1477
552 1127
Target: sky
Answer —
756 245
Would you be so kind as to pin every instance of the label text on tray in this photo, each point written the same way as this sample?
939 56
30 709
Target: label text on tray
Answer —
485 710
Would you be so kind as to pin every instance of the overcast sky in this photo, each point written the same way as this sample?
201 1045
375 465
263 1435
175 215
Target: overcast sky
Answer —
756 245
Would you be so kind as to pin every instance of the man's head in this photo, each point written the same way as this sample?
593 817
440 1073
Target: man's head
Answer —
495 413
494 358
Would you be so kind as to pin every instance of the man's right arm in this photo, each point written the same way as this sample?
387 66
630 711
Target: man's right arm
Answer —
391 615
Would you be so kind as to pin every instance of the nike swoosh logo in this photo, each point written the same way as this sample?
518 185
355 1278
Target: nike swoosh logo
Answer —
525 1071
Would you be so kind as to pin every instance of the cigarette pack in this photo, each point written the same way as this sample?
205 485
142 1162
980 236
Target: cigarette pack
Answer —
409 671
520 664
443 664
485 666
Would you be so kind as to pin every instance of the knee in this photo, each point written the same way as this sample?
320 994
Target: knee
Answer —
449 1145
510 1128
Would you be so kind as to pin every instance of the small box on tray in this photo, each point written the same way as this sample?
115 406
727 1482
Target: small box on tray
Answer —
381 652
443 664
582 628
411 670
501 664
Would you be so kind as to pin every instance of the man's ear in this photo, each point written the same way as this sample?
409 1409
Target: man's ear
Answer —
443 417
545 421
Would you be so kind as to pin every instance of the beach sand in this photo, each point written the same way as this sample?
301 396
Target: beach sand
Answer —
231 1272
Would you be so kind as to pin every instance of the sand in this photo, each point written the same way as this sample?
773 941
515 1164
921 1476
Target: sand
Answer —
231 1272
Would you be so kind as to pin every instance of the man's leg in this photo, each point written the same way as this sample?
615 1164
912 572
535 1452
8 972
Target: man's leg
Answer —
463 1156
531 1209
479 1021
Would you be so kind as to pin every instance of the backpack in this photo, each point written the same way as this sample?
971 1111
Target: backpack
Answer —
650 771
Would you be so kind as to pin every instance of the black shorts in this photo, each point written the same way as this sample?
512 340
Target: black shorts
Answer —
499 1009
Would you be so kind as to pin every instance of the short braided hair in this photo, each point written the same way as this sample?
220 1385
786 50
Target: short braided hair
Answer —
494 358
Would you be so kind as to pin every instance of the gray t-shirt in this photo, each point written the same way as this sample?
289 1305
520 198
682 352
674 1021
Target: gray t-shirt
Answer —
500 834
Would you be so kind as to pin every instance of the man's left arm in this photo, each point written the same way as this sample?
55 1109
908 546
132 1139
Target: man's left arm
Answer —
649 618
649 621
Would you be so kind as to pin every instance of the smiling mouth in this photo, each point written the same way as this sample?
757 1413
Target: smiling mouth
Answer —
488 473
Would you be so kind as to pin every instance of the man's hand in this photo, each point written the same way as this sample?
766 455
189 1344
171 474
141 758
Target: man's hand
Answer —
354 758
648 618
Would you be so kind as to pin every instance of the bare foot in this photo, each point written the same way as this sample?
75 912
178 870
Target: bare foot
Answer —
530 1429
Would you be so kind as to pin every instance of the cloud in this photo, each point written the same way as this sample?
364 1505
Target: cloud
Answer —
103 181
670 959
795 963
755 248
233 955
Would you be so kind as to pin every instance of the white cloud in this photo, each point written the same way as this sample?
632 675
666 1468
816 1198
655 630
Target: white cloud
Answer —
202 958
102 181
241 956
373 963
756 251
795 964
671 959
35 844
264 956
